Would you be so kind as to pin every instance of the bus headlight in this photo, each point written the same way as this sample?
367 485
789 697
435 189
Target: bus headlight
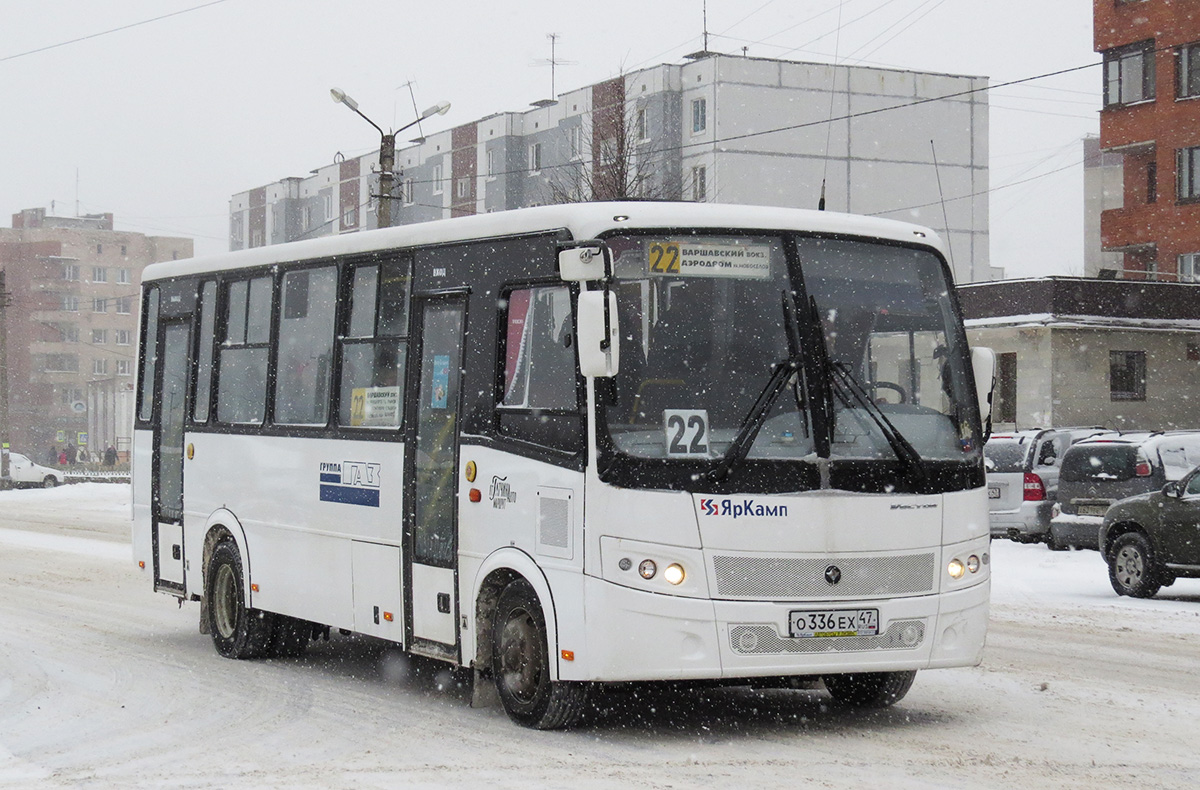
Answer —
973 564
647 569
674 573
956 569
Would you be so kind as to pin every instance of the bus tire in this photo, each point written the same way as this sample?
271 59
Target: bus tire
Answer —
237 631
870 689
521 665
290 638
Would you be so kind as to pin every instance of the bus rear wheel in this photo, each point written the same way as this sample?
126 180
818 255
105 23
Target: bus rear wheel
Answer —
237 631
521 665
870 689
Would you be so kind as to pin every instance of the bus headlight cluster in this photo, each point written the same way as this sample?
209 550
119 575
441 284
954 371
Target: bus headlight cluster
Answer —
648 569
957 568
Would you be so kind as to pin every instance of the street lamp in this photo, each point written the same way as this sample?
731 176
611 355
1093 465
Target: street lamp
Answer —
387 149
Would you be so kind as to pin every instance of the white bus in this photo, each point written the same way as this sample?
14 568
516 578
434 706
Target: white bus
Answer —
576 445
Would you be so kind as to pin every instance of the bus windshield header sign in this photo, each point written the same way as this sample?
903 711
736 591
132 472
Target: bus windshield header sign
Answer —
708 259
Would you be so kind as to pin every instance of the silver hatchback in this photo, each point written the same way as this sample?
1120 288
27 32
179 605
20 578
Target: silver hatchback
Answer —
1022 479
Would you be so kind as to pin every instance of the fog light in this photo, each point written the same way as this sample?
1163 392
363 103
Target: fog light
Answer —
674 573
956 569
647 569
973 564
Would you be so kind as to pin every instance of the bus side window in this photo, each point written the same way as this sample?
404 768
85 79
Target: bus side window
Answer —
149 355
305 346
242 364
373 349
204 357
539 402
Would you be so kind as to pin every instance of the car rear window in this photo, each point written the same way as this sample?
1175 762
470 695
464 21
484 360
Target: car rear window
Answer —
1099 462
1005 456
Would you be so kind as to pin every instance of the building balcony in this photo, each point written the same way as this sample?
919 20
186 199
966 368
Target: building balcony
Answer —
1128 229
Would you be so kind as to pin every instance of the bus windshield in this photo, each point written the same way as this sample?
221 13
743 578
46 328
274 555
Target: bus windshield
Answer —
707 322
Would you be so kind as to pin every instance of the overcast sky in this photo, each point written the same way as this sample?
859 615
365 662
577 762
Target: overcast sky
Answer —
162 121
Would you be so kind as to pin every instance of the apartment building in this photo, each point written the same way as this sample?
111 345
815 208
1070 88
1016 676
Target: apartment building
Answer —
716 128
1151 116
72 327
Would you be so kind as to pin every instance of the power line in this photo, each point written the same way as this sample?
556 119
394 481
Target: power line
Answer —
106 32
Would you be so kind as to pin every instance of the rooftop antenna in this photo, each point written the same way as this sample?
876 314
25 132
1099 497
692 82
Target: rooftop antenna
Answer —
829 123
704 7
553 63
942 198
704 50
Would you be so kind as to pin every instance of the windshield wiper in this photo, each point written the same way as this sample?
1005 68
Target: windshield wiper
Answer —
781 374
848 387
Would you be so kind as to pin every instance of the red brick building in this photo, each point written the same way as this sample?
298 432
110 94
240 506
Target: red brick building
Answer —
1151 115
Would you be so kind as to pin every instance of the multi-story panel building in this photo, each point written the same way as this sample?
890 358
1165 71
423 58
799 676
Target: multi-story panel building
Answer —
1151 114
71 327
716 128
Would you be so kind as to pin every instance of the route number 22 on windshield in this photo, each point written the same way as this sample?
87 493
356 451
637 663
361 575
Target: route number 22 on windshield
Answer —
664 257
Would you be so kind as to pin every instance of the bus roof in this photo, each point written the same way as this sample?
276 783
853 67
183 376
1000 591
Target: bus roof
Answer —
581 220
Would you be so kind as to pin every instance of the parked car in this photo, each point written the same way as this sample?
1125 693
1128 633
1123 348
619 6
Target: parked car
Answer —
1022 479
1098 472
24 472
1151 539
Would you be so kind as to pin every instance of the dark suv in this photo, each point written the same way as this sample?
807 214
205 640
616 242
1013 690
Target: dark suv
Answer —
1151 539
1098 472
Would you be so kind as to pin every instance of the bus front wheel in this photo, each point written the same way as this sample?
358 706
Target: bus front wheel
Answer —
521 664
870 689
237 631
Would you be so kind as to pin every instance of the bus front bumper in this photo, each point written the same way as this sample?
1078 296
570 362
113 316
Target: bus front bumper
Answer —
638 636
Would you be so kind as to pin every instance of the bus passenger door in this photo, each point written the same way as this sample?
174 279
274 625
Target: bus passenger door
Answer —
167 502
431 461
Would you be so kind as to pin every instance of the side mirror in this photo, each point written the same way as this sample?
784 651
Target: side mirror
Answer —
983 363
599 352
583 263
1171 489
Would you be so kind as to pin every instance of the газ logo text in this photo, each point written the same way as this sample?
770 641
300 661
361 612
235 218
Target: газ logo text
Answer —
738 508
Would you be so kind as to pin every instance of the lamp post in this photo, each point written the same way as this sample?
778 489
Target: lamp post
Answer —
387 150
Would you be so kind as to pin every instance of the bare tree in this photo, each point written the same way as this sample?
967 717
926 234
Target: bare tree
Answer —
624 161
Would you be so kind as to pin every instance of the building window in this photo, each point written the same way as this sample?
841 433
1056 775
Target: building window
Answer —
1006 388
699 184
437 179
1127 375
124 367
699 115
99 274
1152 182
99 305
124 305
462 188
1187 173
490 156
71 271
123 251
99 367
69 304
1129 74
99 248
643 131
1189 267
99 336
575 138
535 157
62 363
123 337
70 395
1187 66
123 277
70 334
350 217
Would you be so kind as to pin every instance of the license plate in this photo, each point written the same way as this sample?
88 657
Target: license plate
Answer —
1093 510
993 492
833 622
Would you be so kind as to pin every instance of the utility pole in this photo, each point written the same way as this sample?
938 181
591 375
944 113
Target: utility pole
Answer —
387 158
4 433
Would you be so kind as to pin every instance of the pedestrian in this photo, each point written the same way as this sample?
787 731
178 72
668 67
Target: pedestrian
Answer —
62 457
53 455
81 455
71 453
110 456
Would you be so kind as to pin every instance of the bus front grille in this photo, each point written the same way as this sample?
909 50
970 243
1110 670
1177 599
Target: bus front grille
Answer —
773 578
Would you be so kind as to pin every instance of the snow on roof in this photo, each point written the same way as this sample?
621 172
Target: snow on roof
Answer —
1082 322
581 220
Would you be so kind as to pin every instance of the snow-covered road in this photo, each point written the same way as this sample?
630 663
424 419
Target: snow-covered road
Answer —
104 684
